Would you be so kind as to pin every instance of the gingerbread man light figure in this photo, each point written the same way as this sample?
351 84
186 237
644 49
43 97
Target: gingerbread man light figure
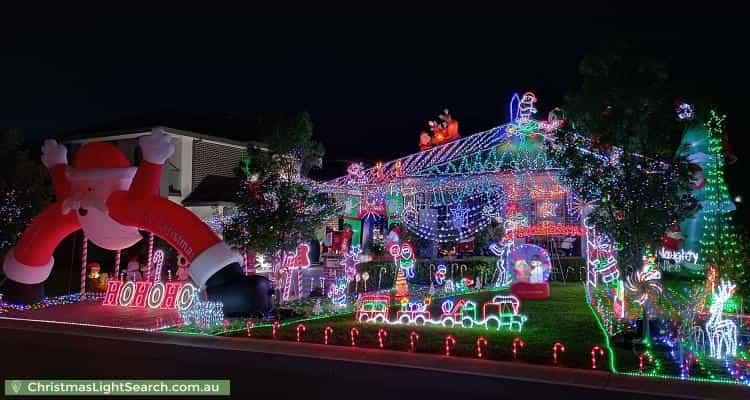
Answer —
110 200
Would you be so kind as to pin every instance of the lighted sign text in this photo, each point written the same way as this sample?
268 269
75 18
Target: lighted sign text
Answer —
679 256
149 294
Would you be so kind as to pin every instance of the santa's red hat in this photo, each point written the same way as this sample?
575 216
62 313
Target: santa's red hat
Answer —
101 160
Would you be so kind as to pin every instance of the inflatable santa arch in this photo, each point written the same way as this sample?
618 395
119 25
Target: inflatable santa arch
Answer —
111 200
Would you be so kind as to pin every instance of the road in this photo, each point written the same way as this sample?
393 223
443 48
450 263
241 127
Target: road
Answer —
49 354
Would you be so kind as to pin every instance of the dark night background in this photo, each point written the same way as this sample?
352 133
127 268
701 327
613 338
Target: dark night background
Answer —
370 83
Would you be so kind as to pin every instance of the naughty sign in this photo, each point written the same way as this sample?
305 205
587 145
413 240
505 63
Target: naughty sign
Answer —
172 295
679 256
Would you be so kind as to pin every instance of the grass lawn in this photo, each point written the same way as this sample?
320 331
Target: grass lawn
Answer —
564 317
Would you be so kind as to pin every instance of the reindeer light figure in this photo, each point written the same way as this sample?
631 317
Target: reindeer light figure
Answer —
722 333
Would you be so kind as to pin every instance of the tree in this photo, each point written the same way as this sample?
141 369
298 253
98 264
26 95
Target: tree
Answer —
721 246
24 189
276 205
616 171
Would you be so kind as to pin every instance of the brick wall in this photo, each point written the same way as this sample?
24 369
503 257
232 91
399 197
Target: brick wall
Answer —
214 159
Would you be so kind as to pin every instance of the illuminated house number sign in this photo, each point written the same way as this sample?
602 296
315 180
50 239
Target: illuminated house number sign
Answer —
150 294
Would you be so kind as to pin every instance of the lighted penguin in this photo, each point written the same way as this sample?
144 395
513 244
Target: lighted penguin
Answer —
110 200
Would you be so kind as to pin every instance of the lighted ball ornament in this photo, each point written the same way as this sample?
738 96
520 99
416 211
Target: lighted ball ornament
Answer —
110 200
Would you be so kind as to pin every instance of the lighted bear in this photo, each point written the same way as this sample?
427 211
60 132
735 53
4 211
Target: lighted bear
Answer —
111 200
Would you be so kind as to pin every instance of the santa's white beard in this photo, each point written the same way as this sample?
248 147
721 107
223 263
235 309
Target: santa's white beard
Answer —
105 232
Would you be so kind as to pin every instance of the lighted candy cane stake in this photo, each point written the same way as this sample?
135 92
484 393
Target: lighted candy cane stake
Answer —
450 342
413 338
327 333
353 333
380 275
481 341
84 256
558 346
276 326
517 342
689 360
381 334
594 351
640 361
226 325
249 326
300 328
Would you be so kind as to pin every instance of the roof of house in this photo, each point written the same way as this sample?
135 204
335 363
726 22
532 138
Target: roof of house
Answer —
220 127
213 190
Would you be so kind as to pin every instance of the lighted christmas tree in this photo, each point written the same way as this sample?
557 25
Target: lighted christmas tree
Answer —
402 287
720 245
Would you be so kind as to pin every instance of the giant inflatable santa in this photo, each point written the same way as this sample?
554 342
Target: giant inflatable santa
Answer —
111 200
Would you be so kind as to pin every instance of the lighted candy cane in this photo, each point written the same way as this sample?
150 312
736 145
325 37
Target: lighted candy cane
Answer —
382 333
450 342
84 256
640 361
463 270
413 337
326 333
558 346
150 256
517 342
594 351
352 334
299 282
300 328
276 326
226 325
249 326
481 341
159 263
689 360
380 275
117 264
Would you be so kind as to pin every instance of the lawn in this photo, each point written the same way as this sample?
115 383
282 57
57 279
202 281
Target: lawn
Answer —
564 317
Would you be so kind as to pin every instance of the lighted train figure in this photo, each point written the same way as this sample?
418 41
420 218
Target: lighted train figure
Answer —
502 312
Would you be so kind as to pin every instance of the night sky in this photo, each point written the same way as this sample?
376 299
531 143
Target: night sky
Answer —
370 83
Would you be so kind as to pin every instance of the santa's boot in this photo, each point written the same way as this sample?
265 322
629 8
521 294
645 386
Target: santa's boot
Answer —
23 283
218 270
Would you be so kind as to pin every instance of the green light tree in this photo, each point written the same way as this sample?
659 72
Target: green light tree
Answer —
721 246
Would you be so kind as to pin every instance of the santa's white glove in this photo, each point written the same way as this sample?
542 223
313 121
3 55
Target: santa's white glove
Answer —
156 147
54 153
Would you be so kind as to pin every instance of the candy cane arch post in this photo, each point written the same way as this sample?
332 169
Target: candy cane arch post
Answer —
84 256
413 338
381 334
558 346
481 341
117 264
354 332
327 333
517 342
150 256
300 328
594 351
450 342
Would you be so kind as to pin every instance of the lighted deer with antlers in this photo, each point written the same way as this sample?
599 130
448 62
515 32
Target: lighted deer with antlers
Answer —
722 333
